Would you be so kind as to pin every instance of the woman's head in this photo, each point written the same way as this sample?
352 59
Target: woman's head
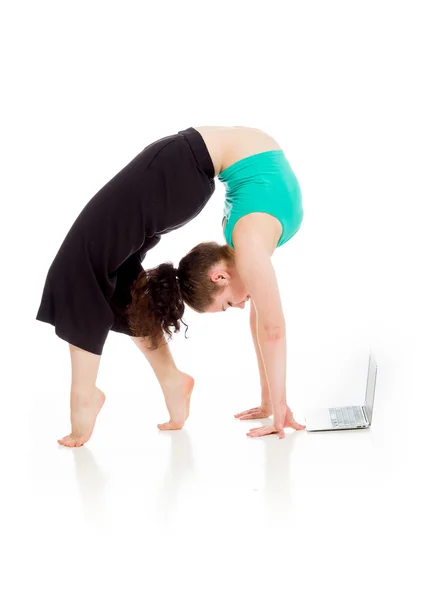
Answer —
206 280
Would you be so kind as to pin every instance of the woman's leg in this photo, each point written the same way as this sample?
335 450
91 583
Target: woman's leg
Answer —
176 385
86 398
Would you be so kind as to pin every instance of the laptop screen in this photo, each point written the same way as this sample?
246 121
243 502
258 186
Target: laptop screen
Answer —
371 385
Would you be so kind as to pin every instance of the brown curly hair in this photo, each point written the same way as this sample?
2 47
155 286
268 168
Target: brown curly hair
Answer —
159 295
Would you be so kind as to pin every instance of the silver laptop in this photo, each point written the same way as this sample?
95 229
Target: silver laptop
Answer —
346 417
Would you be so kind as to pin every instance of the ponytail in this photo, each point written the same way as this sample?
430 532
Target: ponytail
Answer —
156 305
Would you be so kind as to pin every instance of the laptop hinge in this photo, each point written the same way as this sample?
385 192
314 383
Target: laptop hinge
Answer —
365 414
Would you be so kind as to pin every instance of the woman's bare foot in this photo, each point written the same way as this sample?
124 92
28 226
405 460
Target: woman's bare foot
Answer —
84 410
177 393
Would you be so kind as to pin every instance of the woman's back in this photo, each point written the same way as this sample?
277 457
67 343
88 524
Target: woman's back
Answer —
227 145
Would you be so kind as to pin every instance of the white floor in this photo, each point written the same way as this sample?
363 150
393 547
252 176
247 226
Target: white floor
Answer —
207 512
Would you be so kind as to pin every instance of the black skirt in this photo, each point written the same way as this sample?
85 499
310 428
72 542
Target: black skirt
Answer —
88 284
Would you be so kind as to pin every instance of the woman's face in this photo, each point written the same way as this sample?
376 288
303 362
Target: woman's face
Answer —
233 294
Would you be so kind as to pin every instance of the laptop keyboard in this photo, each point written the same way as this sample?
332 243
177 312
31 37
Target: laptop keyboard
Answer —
349 416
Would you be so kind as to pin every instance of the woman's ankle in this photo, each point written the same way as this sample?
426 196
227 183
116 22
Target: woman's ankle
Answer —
83 391
169 377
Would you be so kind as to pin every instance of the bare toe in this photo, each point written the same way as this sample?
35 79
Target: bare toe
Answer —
84 410
64 441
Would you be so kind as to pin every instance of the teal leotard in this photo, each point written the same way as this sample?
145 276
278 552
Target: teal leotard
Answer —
265 183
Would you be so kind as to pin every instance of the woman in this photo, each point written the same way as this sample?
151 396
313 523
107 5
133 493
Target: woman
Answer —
96 282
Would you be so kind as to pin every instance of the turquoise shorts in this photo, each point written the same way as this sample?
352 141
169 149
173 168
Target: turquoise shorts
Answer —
264 183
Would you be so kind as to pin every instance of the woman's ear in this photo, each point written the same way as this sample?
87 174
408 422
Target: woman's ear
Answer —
218 274
220 278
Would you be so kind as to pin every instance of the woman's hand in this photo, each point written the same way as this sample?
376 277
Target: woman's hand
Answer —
261 412
288 421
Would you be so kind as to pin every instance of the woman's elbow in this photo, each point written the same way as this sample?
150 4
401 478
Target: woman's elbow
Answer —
273 331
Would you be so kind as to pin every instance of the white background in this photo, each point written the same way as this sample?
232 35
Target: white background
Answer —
346 89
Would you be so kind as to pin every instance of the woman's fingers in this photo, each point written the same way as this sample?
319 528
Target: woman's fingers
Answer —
246 412
242 414
253 413
290 421
259 431
295 425
256 414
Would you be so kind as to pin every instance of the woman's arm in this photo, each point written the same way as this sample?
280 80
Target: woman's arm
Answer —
253 263
265 408
263 380
255 268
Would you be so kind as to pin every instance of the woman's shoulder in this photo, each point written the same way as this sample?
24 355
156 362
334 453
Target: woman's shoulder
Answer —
254 228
